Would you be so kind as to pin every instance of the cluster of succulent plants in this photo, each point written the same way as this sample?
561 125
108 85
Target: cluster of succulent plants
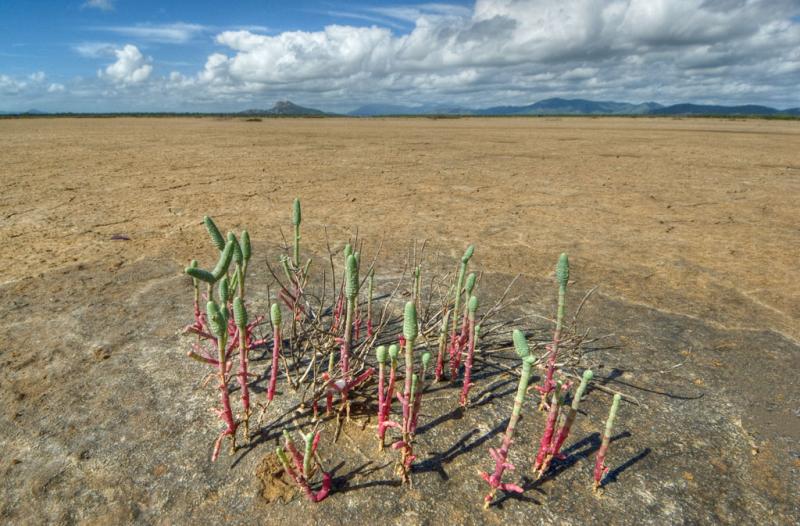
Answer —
326 350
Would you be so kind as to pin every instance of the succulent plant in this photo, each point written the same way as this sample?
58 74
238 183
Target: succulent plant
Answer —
600 468
500 456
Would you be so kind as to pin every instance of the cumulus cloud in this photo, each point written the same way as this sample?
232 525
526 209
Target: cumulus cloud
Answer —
492 53
131 67
638 49
15 85
55 88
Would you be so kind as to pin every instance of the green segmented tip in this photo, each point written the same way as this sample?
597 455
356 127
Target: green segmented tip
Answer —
224 262
213 231
410 322
351 286
414 382
215 319
473 305
470 283
348 251
562 269
275 315
426 360
612 414
224 290
239 314
238 257
357 255
468 254
394 350
193 264
520 344
202 275
296 216
585 379
246 251
380 354
282 457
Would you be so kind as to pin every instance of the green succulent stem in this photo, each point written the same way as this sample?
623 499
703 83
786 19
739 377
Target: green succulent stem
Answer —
462 271
496 479
410 334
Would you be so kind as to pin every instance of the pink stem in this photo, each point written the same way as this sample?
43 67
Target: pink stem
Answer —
546 443
468 366
600 468
381 397
243 364
439 371
225 414
300 480
273 379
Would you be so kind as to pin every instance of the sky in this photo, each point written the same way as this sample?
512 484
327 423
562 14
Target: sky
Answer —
141 55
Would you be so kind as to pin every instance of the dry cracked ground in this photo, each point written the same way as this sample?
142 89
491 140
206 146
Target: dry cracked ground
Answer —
687 227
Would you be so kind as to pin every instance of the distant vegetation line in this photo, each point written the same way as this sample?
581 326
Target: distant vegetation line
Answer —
548 107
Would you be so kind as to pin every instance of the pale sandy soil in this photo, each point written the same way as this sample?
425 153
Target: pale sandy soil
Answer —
688 227
697 217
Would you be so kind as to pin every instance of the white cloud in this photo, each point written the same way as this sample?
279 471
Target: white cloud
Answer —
10 85
27 84
174 33
55 88
103 5
94 49
645 49
495 52
131 67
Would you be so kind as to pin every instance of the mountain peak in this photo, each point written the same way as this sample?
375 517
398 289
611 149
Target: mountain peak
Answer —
284 107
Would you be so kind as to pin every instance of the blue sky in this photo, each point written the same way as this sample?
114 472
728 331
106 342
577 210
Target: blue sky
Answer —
124 55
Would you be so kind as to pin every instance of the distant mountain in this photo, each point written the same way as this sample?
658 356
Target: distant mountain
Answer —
702 109
29 112
286 108
558 106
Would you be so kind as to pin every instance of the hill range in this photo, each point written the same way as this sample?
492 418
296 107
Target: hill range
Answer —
553 106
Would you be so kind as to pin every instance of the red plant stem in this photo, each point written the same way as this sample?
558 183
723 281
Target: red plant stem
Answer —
225 413
549 384
243 364
386 408
439 370
381 405
453 350
546 443
273 379
296 473
438 373
563 433
468 365
600 468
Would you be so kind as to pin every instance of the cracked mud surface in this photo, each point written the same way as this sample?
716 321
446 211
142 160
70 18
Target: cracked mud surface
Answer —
685 225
